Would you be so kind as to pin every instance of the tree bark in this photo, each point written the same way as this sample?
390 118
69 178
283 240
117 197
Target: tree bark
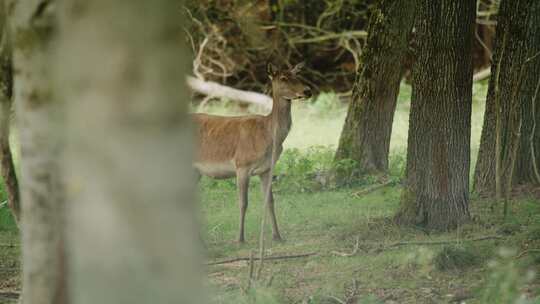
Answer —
438 154
366 133
7 166
510 93
528 155
130 183
42 202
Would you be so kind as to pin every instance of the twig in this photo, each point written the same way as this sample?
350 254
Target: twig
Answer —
304 26
348 34
525 252
371 189
353 253
498 172
481 42
4 203
336 299
251 265
533 131
268 258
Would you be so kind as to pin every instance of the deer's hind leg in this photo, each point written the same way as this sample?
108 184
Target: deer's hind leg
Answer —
266 185
242 183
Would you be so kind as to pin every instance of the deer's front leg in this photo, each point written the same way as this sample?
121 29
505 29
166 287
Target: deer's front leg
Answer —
242 183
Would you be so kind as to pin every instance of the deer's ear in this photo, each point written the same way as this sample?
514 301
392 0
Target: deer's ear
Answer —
271 70
297 68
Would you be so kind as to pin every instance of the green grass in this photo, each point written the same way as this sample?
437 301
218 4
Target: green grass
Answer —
329 221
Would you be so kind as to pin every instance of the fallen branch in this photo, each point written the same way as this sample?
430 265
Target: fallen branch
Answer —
482 75
371 189
268 258
483 238
215 89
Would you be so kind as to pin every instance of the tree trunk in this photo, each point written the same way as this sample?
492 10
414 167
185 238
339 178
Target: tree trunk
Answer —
366 133
132 222
41 194
438 154
528 156
7 166
510 78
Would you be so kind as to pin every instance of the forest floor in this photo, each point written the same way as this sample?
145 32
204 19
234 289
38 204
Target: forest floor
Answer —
360 256
357 255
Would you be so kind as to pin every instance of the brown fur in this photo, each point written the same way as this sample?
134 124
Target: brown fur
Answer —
243 140
242 146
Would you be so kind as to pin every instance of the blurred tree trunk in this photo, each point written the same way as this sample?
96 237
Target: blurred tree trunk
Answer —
510 92
365 137
132 222
437 191
42 202
7 166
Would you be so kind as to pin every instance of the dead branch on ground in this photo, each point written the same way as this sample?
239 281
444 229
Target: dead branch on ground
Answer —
267 258
427 243
372 188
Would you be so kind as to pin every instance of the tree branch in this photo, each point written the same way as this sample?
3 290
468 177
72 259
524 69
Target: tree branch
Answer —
218 90
349 34
268 258
482 75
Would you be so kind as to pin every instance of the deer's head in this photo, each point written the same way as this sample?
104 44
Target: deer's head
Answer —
286 84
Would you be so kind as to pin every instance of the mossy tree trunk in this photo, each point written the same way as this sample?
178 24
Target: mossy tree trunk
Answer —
130 181
365 137
43 278
438 154
506 132
7 167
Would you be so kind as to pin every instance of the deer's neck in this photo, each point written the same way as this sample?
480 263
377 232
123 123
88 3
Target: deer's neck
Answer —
280 118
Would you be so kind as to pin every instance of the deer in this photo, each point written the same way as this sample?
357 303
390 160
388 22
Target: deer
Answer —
244 146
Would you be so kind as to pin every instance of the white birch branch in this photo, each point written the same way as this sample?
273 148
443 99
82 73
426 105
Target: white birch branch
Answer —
218 90
482 75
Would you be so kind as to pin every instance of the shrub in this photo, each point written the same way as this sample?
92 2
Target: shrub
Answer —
326 103
305 171
455 258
